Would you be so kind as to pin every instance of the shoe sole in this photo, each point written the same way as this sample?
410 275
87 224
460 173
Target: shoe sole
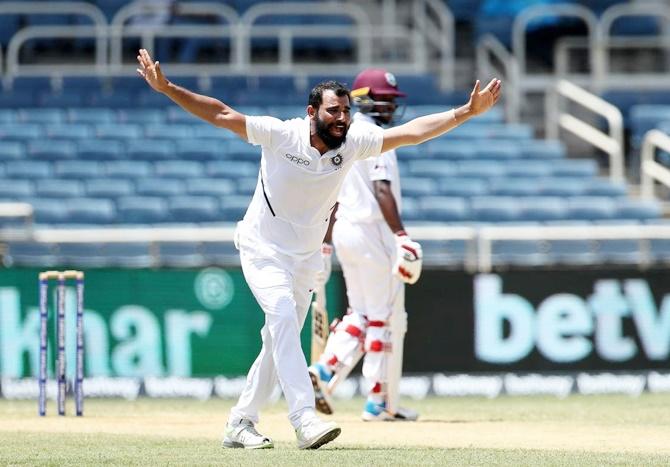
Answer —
325 438
236 445
321 403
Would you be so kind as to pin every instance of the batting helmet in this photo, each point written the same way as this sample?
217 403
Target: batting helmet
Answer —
369 85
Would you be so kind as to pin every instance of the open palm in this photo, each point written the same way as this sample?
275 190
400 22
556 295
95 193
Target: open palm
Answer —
151 71
482 100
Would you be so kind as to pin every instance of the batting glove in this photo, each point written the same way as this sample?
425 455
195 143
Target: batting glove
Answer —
324 274
409 258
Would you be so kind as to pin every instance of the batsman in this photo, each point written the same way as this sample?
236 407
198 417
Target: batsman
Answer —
378 258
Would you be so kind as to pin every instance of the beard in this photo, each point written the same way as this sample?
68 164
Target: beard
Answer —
323 132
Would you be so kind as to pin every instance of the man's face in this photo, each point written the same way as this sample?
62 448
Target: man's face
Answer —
385 109
333 119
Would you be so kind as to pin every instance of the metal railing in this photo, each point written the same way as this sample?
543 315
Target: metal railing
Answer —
240 32
650 170
612 142
489 46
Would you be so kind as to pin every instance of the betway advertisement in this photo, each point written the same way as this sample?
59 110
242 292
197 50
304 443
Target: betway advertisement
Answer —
141 323
539 321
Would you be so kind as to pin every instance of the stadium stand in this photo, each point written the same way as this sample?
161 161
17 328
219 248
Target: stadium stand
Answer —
103 150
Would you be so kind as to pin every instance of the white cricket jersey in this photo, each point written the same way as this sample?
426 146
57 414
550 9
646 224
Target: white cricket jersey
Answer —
297 186
357 197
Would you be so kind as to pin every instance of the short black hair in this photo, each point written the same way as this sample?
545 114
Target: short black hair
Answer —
316 95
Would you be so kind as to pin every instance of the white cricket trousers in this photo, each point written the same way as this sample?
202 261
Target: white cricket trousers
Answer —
283 288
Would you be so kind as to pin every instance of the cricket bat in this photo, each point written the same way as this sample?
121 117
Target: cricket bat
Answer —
320 324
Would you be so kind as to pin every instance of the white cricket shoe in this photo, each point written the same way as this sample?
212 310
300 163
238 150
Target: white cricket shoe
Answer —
320 378
378 413
314 433
244 435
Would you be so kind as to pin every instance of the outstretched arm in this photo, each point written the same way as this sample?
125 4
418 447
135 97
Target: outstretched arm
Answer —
207 108
421 129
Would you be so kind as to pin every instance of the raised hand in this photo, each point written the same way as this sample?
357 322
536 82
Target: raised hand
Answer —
483 100
151 72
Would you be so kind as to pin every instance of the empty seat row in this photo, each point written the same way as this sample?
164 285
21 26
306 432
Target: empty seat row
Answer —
510 209
132 169
511 186
139 209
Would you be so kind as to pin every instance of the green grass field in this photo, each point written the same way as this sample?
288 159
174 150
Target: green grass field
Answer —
580 430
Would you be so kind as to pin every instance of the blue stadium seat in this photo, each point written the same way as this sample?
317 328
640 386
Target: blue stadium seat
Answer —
49 210
69 131
52 150
122 131
234 207
16 190
572 251
480 169
200 149
216 187
574 168
494 209
36 254
174 114
162 130
202 130
605 187
129 254
444 209
285 112
241 150
151 150
159 186
112 100
128 169
563 186
646 117
231 169
443 253
100 149
91 115
514 187
418 186
28 169
465 187
78 169
8 115
56 188
180 254
497 150
527 168
193 209
624 251
431 168
637 210
50 115
21 131
542 149
12 150
519 252
91 211
108 188
179 168
542 208
142 209
590 208
81 254
455 150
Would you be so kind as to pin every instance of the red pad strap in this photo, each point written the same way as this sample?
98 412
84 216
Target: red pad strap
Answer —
353 330
376 324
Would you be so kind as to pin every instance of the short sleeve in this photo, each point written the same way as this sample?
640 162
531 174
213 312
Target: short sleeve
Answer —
263 131
367 137
380 168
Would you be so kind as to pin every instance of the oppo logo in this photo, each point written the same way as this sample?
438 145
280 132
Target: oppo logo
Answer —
297 160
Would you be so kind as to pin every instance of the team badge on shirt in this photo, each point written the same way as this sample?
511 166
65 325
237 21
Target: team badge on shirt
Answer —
336 160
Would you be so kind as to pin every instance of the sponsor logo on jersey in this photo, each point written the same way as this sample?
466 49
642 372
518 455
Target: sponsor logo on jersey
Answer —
297 160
